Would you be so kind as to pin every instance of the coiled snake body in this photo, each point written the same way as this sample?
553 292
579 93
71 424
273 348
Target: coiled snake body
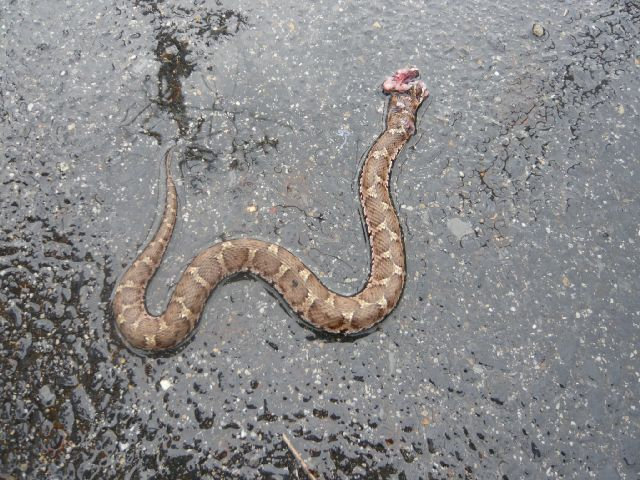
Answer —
300 288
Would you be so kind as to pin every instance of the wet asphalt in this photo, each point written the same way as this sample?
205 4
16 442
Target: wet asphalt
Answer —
514 350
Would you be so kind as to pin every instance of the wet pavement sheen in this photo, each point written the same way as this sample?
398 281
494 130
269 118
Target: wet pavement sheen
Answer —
514 350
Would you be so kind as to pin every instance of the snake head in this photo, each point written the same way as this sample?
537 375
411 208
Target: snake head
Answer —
406 81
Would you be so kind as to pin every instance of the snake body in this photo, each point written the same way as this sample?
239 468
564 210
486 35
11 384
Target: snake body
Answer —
299 287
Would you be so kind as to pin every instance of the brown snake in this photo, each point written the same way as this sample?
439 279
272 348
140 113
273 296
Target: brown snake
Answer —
299 287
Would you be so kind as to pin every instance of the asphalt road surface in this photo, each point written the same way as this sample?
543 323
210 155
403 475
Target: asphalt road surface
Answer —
514 350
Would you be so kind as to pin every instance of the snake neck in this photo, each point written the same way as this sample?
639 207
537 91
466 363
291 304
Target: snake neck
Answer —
381 219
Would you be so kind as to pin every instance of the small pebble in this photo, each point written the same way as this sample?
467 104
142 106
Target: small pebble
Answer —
538 30
44 325
46 396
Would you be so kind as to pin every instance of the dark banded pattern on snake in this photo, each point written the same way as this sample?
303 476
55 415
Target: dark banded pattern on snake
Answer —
299 287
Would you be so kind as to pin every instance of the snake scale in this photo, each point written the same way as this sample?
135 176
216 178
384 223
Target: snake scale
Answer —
316 304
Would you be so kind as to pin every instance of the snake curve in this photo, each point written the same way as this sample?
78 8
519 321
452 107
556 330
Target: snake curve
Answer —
300 288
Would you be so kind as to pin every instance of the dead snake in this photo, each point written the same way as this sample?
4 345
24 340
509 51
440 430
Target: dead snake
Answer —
299 287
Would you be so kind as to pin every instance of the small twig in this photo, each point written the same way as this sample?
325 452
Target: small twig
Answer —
298 457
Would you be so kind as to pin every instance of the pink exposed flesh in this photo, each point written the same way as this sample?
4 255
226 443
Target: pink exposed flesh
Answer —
403 80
